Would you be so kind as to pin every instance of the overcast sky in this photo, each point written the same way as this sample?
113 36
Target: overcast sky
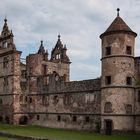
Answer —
80 22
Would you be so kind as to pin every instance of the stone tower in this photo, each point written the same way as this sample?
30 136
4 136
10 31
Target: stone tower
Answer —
9 76
117 84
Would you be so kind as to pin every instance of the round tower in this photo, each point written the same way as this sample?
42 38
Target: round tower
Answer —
117 84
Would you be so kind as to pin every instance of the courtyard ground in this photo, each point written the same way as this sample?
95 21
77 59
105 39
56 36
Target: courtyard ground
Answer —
58 134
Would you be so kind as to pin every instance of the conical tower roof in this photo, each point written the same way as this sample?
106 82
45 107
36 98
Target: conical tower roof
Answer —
118 25
59 43
5 30
41 48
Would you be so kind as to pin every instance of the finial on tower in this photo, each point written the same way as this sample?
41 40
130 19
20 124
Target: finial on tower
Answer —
5 20
41 42
59 36
118 10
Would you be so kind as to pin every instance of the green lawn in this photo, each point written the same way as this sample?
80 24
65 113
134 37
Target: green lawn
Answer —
4 138
61 134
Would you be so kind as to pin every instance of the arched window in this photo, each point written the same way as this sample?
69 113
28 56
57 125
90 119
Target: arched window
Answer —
108 107
58 56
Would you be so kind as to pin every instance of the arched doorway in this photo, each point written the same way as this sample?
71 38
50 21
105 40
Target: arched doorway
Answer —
108 127
23 120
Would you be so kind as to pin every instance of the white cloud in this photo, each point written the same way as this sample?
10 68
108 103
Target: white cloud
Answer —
87 70
79 21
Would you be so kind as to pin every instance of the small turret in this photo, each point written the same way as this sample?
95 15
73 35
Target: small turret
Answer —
41 48
65 58
5 30
6 37
59 52
42 51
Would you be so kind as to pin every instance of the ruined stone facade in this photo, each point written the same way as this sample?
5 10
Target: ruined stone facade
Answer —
40 91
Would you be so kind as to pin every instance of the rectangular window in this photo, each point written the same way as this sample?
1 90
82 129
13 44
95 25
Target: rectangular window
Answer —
128 108
38 117
128 50
30 100
108 80
87 119
74 119
58 118
139 96
108 50
129 80
5 81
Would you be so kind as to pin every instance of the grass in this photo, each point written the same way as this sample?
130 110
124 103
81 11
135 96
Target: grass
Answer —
4 138
61 134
